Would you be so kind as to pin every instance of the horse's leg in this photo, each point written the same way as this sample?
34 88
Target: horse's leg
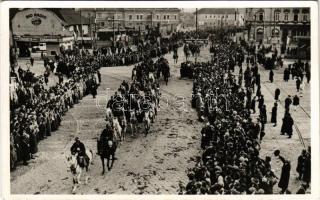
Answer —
131 127
74 188
102 160
87 178
79 176
112 161
108 162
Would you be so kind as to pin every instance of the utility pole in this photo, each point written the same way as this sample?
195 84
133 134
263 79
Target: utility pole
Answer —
81 29
91 32
113 28
95 26
197 21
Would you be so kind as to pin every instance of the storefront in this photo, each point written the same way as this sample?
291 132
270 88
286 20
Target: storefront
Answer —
40 31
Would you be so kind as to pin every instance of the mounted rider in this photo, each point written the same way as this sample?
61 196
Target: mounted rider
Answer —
79 148
106 135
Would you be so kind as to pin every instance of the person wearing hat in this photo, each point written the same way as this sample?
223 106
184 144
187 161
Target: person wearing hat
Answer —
106 135
285 173
78 147
274 114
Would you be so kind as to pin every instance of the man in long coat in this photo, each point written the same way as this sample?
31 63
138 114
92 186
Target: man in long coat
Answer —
274 114
285 175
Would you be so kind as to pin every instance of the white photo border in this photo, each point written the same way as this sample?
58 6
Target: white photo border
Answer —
4 91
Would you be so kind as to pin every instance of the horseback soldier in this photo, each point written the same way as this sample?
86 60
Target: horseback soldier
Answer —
78 147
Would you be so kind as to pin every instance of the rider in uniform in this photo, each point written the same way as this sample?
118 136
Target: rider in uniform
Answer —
106 135
78 147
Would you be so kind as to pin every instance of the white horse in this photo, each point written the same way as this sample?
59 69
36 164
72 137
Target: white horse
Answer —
78 167
146 121
133 121
123 125
116 128
152 111
109 114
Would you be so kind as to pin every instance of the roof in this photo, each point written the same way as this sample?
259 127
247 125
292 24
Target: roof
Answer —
216 11
72 17
69 16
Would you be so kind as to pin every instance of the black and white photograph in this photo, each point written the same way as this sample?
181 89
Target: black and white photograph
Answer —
162 100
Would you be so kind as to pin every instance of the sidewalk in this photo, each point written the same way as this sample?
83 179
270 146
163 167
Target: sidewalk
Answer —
289 148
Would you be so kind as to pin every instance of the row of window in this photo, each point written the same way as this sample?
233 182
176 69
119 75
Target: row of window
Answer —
214 16
140 16
286 17
165 17
276 32
218 23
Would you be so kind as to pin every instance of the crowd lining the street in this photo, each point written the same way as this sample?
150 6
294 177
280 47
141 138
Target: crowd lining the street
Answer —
231 138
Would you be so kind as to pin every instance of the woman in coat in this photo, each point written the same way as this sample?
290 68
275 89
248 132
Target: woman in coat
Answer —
285 175
277 94
274 114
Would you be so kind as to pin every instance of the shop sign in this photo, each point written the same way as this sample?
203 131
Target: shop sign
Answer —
36 18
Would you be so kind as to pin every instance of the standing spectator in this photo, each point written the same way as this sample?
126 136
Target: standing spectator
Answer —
307 172
253 104
285 174
308 73
274 114
31 61
296 102
277 94
287 123
301 164
287 103
260 102
263 115
271 74
298 83
286 75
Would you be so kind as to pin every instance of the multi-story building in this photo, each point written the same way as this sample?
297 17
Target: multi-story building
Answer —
139 19
285 29
215 18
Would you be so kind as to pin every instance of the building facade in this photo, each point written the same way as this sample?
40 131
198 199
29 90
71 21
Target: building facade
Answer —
215 18
285 29
44 31
139 19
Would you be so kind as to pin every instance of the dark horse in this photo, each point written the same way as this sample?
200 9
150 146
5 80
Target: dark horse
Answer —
166 74
107 151
165 70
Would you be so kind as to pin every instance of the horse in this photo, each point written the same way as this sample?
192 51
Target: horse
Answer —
186 51
146 121
78 167
108 149
123 124
133 121
116 128
109 114
152 112
166 74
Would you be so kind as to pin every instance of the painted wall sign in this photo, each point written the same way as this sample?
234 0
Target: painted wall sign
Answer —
36 15
36 21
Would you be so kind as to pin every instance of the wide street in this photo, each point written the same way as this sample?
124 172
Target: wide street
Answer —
157 163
